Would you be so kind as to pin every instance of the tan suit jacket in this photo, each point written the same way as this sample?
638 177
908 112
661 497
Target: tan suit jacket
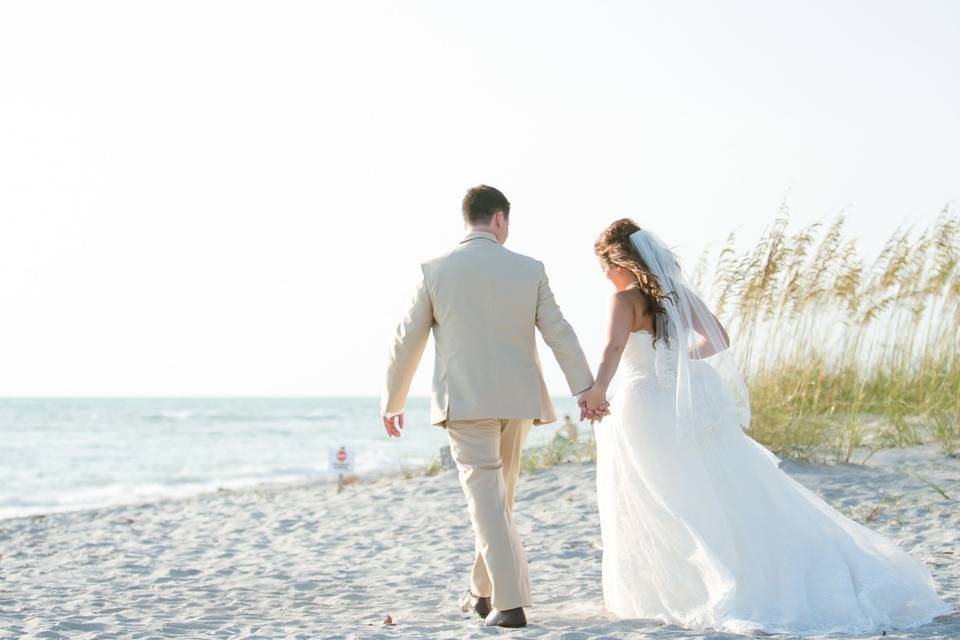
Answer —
482 302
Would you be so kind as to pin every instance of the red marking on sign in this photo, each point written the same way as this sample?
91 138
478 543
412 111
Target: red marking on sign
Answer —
341 455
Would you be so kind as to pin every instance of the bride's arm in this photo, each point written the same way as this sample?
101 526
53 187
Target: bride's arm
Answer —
713 337
618 331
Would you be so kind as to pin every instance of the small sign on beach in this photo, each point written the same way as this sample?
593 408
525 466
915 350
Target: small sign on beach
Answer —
341 461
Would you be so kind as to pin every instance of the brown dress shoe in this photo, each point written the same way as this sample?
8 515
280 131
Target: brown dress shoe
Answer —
478 604
511 618
483 607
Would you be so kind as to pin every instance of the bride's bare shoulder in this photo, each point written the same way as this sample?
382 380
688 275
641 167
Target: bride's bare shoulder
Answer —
630 296
631 305
623 296
624 302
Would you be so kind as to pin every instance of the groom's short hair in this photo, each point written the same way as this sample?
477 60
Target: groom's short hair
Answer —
482 202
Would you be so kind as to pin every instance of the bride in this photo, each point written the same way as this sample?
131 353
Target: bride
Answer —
700 527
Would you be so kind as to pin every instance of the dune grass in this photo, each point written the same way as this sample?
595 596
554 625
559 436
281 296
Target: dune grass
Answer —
558 451
841 354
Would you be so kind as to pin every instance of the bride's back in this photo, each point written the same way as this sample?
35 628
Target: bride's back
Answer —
643 320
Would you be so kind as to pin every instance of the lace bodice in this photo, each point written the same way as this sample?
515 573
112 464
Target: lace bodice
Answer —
642 360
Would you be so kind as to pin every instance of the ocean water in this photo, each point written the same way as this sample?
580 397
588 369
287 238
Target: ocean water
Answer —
61 454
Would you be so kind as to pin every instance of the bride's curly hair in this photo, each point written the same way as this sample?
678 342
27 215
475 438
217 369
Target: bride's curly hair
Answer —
615 248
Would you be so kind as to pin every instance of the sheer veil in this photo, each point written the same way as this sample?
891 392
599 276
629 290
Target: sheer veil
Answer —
694 354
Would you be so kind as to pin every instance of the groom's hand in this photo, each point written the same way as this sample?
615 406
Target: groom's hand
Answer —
393 425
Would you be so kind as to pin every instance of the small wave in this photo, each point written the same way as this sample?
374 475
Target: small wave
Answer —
130 494
178 416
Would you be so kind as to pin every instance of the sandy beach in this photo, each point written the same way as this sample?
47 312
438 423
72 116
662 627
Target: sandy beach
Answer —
301 561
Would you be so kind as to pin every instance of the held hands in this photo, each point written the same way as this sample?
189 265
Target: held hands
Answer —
593 405
393 425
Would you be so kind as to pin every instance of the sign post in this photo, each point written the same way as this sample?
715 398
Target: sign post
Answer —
341 462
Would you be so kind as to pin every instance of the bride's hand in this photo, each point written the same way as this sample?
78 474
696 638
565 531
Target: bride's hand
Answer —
596 416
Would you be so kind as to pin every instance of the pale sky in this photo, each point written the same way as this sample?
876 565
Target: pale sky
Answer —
229 198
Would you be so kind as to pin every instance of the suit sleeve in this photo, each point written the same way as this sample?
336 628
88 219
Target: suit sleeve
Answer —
560 337
406 349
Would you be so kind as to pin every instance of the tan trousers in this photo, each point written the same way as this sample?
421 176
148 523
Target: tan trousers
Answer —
487 453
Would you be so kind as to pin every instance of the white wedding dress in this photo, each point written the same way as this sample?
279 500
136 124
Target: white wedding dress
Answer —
708 533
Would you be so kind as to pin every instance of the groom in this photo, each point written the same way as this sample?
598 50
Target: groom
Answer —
482 302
